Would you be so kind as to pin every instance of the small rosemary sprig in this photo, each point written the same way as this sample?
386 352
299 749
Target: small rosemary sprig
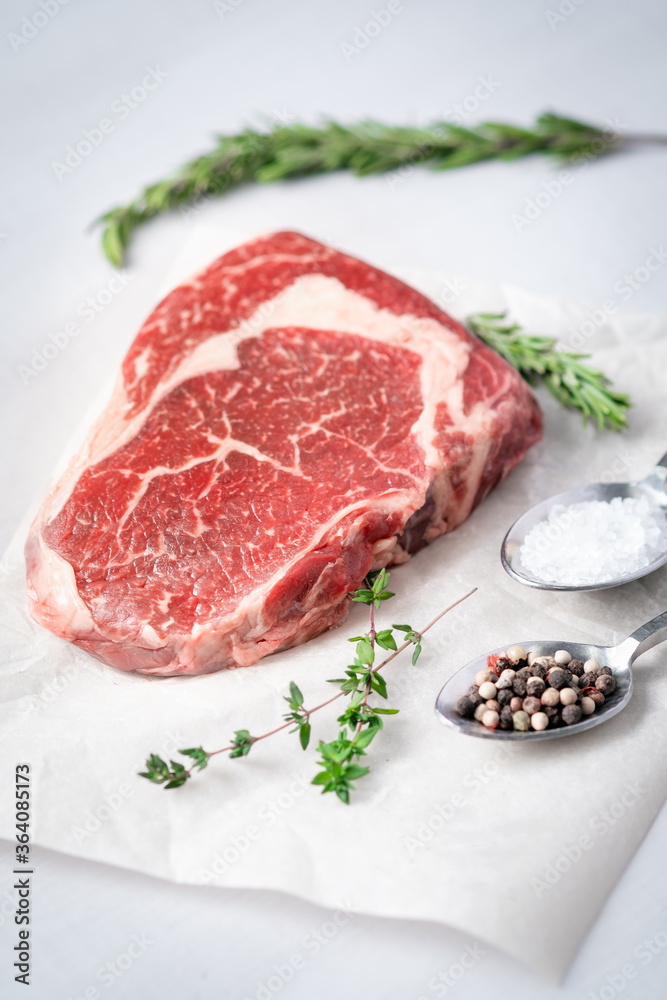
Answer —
573 384
368 147
337 767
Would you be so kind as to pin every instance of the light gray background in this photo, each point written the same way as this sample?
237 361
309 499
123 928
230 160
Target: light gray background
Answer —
248 62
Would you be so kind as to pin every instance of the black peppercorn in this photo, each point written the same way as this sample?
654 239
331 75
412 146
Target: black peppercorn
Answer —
525 672
502 663
576 666
465 707
587 680
558 678
552 714
606 684
535 686
571 714
537 670
505 718
519 686
504 696
604 670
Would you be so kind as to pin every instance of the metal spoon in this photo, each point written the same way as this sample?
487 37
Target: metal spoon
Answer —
653 487
620 658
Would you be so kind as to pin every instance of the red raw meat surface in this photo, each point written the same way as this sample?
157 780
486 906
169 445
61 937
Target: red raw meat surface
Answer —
283 422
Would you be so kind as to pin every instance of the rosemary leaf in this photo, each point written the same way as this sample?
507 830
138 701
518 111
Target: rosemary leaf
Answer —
573 384
366 148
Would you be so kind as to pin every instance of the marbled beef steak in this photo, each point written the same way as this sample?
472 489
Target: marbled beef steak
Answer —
283 422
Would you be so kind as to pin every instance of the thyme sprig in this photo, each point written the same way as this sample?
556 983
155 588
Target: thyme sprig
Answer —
337 764
369 147
573 384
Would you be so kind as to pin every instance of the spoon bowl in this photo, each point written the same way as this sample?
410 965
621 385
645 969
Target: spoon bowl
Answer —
620 658
653 488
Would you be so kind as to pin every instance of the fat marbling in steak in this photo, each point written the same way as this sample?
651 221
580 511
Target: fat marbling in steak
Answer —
283 422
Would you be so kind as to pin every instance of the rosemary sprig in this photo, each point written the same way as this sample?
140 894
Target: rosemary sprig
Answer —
365 148
573 384
337 767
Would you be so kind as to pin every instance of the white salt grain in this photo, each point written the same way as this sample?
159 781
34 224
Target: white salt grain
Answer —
595 542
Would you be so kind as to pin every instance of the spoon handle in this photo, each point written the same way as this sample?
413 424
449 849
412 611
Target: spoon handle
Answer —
645 637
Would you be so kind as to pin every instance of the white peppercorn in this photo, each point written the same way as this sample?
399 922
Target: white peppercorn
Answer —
485 675
506 678
550 697
487 690
539 721
480 710
562 657
568 696
516 653
532 656
493 705
587 706
516 704
490 719
592 665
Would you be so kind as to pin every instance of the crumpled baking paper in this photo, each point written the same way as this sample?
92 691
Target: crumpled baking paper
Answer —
515 844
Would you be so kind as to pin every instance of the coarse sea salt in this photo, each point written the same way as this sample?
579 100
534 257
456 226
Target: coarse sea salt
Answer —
595 542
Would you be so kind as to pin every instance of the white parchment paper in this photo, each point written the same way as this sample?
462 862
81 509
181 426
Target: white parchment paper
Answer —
518 846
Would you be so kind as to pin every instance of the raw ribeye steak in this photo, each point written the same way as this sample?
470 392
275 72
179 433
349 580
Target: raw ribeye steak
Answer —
282 423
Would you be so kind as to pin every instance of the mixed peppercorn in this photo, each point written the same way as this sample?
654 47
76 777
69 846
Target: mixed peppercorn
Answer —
524 691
